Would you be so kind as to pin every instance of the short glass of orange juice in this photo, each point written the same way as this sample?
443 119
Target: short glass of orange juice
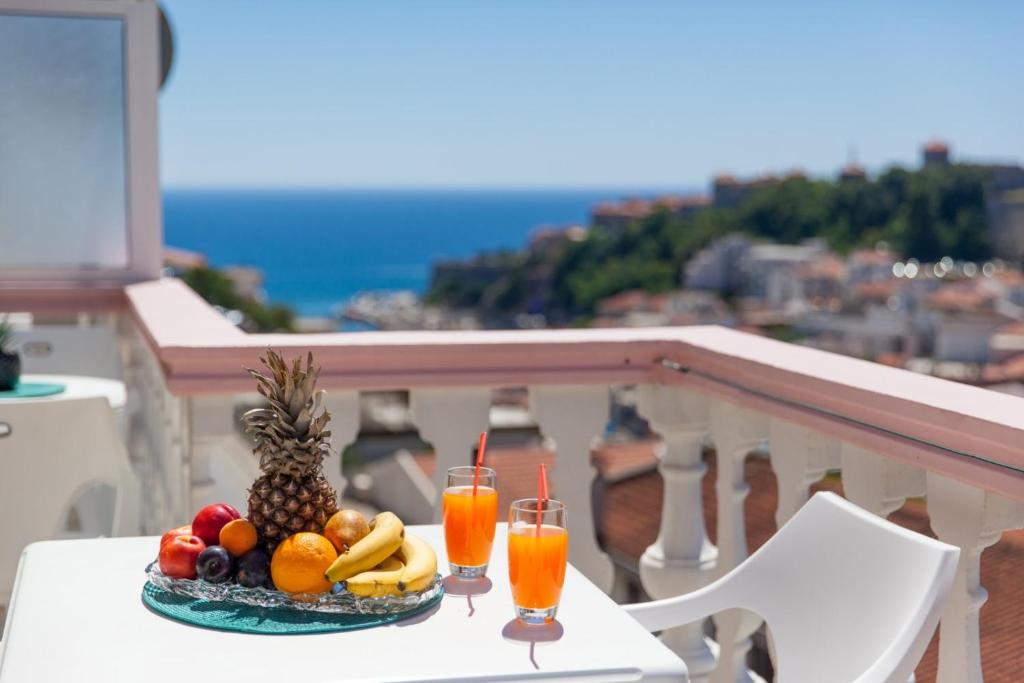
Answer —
537 555
470 513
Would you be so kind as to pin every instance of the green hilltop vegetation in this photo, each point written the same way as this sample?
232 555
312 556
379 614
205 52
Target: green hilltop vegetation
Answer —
218 289
924 214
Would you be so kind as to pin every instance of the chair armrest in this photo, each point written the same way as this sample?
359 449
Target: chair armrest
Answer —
659 615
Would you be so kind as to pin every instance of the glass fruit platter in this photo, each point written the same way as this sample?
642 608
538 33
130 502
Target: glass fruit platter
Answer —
338 602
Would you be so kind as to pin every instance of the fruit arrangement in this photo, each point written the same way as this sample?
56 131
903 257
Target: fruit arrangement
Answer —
294 538
366 558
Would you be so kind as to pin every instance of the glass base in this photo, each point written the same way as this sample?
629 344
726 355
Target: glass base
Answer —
533 615
464 572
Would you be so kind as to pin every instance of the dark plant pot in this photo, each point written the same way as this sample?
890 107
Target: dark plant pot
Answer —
10 370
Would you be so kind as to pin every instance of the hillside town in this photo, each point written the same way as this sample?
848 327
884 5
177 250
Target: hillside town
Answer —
954 318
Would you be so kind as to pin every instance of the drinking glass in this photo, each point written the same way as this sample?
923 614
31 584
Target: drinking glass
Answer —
536 558
469 520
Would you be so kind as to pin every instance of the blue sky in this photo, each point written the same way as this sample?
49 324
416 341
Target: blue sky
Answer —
551 93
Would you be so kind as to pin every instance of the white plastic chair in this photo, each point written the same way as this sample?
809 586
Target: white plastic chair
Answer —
847 596
50 454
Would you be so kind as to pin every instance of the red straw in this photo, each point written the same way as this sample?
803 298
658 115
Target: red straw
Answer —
479 459
542 493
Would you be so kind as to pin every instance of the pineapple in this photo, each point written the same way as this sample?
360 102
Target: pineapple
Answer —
292 440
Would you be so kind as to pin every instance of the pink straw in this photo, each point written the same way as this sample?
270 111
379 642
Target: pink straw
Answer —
542 493
479 459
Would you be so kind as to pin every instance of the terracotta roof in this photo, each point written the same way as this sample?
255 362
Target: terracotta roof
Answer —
959 297
624 302
936 146
183 258
827 268
630 208
641 208
879 290
725 179
895 360
872 257
1010 277
1014 328
616 461
1010 370
853 171
678 203
516 470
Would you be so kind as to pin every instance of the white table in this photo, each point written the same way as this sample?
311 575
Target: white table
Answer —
76 614
79 386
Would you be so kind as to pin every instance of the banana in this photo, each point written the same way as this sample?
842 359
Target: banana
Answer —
420 564
378 582
385 537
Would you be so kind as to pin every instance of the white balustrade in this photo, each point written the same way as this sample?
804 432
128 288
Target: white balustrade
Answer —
451 419
156 435
735 431
682 558
573 416
183 444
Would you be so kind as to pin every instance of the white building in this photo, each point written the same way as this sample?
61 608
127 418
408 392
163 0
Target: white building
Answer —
717 267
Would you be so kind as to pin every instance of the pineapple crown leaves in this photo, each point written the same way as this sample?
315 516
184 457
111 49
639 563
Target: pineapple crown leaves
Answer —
291 433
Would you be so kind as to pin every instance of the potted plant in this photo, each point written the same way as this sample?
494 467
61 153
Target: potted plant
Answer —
10 361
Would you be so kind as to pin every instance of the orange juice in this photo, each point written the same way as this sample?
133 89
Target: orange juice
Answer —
469 524
536 565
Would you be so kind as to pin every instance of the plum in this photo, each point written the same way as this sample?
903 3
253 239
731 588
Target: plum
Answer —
254 569
215 564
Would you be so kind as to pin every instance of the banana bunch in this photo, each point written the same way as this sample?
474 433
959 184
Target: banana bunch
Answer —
387 561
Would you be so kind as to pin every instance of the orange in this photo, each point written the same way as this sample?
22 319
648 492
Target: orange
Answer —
299 563
238 536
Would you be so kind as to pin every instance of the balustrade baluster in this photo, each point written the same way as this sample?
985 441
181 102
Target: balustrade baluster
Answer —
682 558
878 484
451 420
573 416
344 409
735 432
800 457
210 424
972 519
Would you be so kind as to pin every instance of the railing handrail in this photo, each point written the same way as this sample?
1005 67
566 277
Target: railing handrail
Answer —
60 299
971 433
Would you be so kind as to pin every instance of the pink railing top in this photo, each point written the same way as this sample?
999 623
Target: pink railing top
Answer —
955 429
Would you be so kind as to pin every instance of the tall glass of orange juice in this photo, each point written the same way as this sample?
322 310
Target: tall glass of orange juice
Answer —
470 515
537 555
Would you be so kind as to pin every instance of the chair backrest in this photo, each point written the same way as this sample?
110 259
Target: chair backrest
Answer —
50 452
69 350
847 595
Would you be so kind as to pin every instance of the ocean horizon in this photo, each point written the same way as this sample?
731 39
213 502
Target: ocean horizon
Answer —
319 247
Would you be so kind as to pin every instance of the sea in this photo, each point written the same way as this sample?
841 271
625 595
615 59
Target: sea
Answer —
318 248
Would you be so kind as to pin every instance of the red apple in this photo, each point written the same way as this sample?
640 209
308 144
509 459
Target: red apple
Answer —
180 531
178 556
208 521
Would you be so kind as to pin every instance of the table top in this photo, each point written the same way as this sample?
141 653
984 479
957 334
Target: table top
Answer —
76 614
77 386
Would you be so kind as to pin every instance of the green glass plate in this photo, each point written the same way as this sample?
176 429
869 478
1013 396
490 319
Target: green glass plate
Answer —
230 616
32 390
